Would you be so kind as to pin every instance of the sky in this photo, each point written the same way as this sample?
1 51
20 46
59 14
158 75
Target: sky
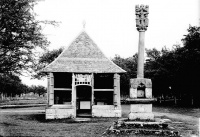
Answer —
111 24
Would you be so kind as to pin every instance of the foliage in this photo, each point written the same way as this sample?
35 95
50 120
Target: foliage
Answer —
11 85
20 35
176 71
40 90
44 60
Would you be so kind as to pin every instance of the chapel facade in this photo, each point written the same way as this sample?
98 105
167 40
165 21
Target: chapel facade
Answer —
83 81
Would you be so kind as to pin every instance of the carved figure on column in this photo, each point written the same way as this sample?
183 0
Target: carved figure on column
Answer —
142 20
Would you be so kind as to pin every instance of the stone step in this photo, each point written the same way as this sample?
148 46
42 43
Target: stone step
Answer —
139 124
151 125
142 131
82 119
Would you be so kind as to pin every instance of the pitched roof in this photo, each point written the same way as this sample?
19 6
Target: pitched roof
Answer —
83 56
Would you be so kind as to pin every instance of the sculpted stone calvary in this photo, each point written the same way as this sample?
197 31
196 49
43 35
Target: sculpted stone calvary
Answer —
142 20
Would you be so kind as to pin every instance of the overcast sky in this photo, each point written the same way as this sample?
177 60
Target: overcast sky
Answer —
111 24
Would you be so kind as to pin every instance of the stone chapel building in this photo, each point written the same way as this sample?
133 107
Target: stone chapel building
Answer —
83 81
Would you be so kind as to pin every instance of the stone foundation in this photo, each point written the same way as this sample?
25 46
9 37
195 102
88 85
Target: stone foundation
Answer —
106 111
59 112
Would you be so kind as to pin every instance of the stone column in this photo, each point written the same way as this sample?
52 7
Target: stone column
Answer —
92 85
117 90
51 89
141 106
140 65
48 89
73 101
142 21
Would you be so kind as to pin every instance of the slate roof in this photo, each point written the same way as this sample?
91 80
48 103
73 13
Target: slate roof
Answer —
83 56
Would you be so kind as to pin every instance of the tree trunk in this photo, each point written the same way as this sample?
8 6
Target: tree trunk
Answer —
175 101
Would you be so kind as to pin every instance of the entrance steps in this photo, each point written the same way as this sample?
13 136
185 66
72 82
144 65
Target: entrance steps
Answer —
79 119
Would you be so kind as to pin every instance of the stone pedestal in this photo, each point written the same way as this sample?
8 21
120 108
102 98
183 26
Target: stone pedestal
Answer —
137 83
141 99
141 111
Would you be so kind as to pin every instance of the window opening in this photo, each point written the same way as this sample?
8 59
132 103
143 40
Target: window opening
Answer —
62 80
62 97
103 97
103 81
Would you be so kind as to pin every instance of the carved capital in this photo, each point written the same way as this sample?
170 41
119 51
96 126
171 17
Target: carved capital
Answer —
142 20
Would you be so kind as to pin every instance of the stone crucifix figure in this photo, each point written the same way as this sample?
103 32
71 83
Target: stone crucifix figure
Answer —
142 21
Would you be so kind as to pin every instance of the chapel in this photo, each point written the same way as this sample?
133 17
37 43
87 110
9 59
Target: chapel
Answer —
82 81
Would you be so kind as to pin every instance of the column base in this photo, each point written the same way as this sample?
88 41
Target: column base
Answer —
141 116
141 111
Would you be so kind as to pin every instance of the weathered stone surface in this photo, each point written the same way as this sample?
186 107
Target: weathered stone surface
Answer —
148 92
140 100
137 83
142 20
133 93
140 108
143 116
58 113
106 111
134 83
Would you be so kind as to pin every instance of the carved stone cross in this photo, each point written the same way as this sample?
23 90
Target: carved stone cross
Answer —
142 20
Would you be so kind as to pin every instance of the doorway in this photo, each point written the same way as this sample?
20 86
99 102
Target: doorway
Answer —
83 99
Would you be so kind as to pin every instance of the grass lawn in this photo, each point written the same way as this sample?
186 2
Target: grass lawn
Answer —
34 124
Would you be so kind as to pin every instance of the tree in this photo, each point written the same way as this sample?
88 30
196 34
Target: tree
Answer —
191 66
161 67
44 60
11 85
177 68
20 35
40 90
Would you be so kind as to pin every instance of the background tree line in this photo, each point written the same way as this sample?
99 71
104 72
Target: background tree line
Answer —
11 86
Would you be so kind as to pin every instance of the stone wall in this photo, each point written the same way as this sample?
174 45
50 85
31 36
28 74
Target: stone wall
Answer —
106 111
59 112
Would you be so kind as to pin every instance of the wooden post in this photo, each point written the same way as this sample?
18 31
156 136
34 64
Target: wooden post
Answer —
51 89
116 95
